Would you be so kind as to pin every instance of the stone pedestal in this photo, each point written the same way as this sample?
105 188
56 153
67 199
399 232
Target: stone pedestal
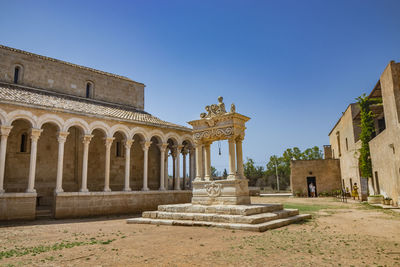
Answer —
221 192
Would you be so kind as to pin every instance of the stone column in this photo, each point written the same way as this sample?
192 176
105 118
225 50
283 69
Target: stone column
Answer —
199 161
108 142
232 167
145 146
35 134
177 168
239 155
192 161
207 162
173 155
162 147
62 137
184 153
128 145
166 182
86 141
4 131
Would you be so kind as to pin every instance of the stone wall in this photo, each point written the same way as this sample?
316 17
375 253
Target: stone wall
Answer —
385 147
326 173
347 129
55 75
73 205
17 206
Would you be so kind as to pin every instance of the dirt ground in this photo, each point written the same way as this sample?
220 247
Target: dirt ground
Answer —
339 234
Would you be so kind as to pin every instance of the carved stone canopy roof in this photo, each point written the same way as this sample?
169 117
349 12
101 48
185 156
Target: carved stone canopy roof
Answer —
219 124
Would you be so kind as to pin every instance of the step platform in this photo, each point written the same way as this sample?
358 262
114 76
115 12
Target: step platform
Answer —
251 217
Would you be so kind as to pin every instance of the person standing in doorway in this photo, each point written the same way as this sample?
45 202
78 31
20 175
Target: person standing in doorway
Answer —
312 189
354 193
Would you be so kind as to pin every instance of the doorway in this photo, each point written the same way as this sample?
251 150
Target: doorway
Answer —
309 181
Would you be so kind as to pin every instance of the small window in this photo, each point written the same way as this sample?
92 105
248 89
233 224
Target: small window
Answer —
378 190
89 90
338 143
24 143
118 149
17 72
347 145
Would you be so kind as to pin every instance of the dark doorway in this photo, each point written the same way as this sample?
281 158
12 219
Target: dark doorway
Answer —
309 181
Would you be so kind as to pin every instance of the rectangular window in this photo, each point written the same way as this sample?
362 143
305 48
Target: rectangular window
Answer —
338 143
118 147
347 145
381 125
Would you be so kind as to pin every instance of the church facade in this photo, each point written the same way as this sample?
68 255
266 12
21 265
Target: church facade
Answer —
77 142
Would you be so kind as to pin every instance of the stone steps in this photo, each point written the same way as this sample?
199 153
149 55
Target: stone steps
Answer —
221 218
260 227
44 214
259 217
245 210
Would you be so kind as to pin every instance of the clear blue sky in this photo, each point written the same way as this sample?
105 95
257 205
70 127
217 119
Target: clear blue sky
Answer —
292 66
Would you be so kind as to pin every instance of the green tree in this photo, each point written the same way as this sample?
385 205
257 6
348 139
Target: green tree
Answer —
252 172
214 172
367 133
225 174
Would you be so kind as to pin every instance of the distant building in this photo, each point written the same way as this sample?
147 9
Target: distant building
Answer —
323 173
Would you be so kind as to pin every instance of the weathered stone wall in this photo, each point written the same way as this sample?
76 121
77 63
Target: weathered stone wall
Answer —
73 205
326 173
58 76
386 146
346 128
17 206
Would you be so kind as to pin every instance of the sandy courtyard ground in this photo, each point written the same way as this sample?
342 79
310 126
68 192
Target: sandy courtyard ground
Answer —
340 234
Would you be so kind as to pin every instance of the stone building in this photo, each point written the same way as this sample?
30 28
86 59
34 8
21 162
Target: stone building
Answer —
384 146
323 173
77 142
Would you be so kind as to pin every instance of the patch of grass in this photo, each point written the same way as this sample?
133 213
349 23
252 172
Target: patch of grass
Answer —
308 208
21 251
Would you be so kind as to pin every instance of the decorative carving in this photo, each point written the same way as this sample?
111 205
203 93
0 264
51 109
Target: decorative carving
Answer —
214 133
214 109
233 108
213 189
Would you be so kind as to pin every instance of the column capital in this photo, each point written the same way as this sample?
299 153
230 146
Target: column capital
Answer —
145 144
239 138
178 148
128 143
108 141
35 133
232 139
62 136
5 130
185 151
163 147
87 138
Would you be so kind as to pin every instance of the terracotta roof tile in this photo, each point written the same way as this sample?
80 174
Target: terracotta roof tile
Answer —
40 98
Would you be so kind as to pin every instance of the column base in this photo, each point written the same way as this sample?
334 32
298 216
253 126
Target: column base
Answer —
107 189
84 190
30 191
233 177
161 189
145 189
2 191
127 189
58 190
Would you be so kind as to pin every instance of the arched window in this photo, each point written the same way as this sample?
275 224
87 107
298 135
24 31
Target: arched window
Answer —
24 143
17 73
89 90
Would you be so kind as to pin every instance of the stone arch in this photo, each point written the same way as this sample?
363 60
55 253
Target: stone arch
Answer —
140 132
101 126
122 129
22 114
158 135
188 139
50 118
3 117
83 125
174 137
